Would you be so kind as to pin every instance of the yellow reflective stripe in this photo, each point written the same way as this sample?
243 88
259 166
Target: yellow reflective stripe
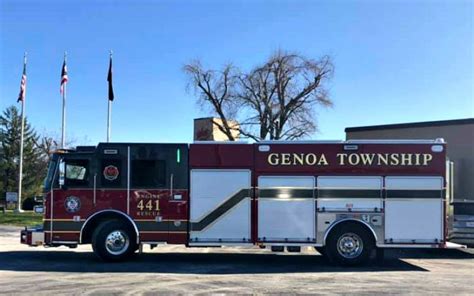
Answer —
184 231
61 231
163 220
66 220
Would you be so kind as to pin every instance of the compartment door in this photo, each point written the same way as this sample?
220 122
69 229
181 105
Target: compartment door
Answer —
350 193
414 210
286 209
220 206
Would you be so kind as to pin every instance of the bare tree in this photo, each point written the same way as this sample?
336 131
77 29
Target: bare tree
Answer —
49 142
215 89
276 100
47 145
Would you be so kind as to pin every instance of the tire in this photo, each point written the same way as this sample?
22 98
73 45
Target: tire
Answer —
114 241
349 244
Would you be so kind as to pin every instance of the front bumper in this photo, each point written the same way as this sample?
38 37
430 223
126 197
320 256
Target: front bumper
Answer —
462 230
32 236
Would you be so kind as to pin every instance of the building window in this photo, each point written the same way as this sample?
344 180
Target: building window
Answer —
148 173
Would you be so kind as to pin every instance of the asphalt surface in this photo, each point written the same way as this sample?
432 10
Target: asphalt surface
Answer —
175 269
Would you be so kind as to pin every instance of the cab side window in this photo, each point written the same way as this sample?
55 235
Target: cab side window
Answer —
148 173
77 172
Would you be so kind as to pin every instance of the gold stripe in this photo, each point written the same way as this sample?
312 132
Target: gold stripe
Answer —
66 220
163 220
163 231
124 189
142 220
61 231
153 231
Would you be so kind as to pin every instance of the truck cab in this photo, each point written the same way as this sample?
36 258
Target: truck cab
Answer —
140 187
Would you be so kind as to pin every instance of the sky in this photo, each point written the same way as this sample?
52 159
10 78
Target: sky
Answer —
395 61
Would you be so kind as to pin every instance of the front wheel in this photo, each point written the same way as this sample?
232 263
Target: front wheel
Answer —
349 244
113 241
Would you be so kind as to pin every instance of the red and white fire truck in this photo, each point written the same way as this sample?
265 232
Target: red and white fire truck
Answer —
345 198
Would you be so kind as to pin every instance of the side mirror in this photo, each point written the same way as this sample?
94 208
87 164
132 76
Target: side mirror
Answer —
38 209
62 172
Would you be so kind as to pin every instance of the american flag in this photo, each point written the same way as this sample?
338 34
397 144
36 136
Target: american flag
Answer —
64 78
21 95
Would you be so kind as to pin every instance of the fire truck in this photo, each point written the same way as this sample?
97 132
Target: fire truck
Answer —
347 199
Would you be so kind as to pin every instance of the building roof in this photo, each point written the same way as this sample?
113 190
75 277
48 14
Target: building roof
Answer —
410 125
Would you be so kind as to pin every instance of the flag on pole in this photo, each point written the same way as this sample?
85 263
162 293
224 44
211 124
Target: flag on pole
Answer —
21 95
109 79
64 78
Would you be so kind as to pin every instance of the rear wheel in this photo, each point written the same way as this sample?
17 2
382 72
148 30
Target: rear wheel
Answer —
113 241
349 244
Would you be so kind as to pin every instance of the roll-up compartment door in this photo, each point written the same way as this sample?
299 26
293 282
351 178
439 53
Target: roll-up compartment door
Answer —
286 209
350 193
220 206
414 209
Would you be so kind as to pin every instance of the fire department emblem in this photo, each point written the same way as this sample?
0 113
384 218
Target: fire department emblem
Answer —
72 204
111 172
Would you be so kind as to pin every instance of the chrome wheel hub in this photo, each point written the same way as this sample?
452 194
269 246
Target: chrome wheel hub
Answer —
117 242
350 245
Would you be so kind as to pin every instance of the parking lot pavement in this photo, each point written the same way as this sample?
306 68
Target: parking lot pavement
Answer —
175 269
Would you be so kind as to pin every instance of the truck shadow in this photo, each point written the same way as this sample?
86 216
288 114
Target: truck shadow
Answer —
188 263
432 253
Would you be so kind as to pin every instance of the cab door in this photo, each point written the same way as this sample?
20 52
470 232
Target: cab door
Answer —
178 200
110 179
71 202
158 191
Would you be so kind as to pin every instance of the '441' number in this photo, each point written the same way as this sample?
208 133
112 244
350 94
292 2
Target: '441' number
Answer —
150 205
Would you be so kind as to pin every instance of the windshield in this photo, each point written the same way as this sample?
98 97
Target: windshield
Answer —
49 176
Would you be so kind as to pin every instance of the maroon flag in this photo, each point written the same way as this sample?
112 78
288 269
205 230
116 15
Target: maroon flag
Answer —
109 79
64 78
21 95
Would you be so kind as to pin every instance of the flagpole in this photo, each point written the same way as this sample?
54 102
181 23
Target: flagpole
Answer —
63 125
109 113
20 173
